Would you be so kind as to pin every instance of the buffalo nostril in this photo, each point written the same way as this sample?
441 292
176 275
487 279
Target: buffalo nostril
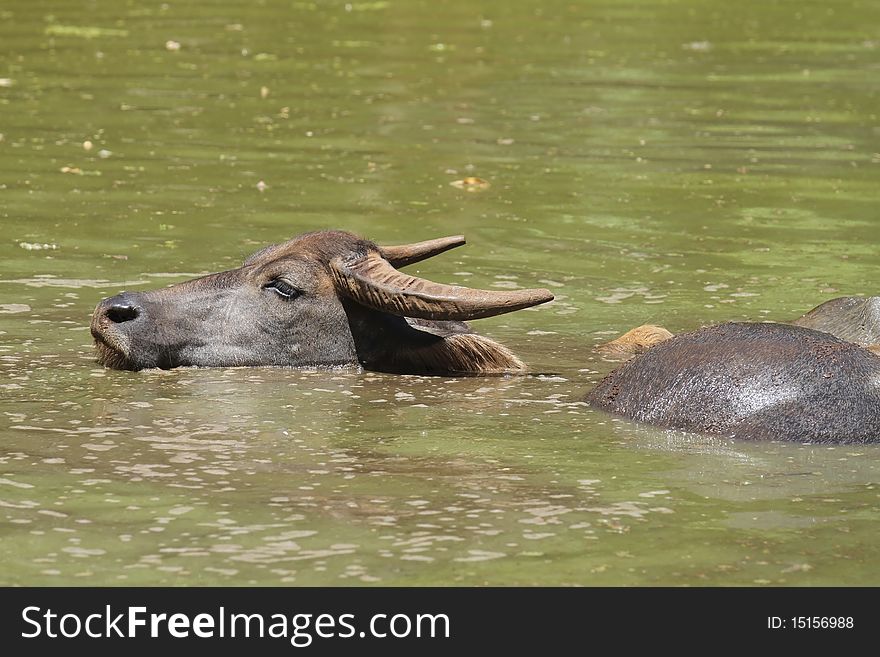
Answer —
119 314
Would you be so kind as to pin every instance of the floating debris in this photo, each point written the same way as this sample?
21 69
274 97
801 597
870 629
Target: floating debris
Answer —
87 145
367 6
698 46
172 45
471 184
353 44
262 187
104 153
84 32
79 172
5 82
34 246
12 308
264 92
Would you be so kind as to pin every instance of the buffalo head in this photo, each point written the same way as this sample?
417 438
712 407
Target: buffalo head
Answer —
322 299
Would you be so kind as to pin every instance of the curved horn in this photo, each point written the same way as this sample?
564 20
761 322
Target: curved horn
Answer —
407 254
373 282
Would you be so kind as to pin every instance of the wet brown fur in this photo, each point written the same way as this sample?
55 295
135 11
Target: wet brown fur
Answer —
464 353
633 342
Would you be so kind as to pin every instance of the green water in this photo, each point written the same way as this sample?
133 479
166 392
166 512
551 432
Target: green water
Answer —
681 163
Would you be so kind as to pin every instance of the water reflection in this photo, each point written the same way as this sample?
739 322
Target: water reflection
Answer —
269 476
628 170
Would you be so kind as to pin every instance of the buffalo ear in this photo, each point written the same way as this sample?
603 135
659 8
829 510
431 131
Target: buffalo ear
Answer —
373 282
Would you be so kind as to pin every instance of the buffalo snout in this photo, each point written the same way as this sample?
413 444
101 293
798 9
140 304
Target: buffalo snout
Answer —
112 323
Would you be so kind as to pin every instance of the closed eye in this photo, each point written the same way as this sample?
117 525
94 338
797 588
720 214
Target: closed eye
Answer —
282 288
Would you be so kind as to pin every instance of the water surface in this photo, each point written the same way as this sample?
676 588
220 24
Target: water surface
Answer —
678 163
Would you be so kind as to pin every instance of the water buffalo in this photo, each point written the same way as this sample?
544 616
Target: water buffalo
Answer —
854 319
813 380
326 298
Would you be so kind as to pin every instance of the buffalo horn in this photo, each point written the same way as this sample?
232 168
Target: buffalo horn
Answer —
373 282
407 254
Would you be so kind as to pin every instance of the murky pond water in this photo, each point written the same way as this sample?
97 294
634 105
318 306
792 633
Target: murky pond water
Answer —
678 163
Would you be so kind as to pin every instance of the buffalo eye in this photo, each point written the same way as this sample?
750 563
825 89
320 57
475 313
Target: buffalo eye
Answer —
282 288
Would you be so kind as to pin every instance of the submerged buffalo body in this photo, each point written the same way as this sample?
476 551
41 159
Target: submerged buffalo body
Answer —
322 299
756 381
